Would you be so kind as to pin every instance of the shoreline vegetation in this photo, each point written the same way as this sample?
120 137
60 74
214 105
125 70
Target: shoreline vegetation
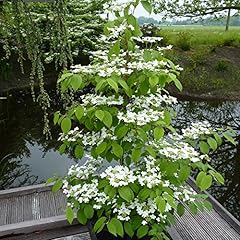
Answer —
209 55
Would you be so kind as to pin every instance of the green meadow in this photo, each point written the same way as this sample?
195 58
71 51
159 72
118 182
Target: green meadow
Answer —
201 35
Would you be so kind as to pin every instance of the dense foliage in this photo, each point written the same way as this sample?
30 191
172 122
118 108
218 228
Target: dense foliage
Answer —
198 8
135 163
46 32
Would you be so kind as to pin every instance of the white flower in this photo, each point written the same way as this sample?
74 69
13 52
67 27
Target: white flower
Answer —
119 176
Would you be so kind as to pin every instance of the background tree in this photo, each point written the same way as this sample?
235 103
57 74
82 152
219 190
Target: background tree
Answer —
198 8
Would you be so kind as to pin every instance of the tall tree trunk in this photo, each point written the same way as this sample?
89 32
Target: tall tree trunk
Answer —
228 19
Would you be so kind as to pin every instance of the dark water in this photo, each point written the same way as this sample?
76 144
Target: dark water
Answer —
26 157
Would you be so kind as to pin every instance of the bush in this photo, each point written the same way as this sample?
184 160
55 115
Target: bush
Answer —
184 41
221 66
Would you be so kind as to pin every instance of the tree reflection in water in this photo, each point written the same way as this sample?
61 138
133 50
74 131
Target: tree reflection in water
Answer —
20 126
11 170
227 158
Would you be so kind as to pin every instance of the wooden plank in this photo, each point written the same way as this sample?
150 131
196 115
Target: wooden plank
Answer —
24 190
36 225
34 1
55 234
227 216
174 233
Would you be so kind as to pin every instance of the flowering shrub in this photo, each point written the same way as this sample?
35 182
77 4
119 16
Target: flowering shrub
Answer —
136 164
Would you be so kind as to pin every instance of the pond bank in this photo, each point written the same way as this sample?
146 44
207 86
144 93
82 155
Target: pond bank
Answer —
210 73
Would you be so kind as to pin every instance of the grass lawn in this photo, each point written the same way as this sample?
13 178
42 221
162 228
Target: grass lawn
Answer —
201 35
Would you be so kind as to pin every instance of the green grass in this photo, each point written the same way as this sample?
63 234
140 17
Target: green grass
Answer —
201 36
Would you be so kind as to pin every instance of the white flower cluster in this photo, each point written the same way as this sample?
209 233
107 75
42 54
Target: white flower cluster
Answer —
147 39
145 109
185 194
151 176
197 129
96 100
152 100
140 118
87 169
147 210
119 176
88 139
180 151
119 65
86 192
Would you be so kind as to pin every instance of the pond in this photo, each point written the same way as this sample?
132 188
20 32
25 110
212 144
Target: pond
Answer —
27 158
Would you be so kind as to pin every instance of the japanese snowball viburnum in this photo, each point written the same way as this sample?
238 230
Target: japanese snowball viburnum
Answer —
136 164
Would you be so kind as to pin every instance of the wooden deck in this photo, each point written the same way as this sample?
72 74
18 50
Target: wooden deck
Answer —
36 213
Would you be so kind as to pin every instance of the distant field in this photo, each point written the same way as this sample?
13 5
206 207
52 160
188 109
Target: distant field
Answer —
201 35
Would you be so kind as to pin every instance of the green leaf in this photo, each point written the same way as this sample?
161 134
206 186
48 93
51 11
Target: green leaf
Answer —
180 209
115 227
136 154
161 204
62 148
56 117
99 225
170 200
218 139
107 120
113 84
167 118
144 193
117 150
147 55
200 177
50 180
69 214
219 177
153 80
76 82
206 183
57 185
78 151
115 49
126 193
229 138
184 173
147 6
66 125
64 76
212 143
128 229
101 148
125 87
193 208
99 114
122 131
142 231
158 133
204 147
178 84
142 134
151 151
88 211
208 205
81 217
79 112
100 84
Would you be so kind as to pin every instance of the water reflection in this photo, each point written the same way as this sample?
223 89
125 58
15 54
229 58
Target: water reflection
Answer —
227 158
27 158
